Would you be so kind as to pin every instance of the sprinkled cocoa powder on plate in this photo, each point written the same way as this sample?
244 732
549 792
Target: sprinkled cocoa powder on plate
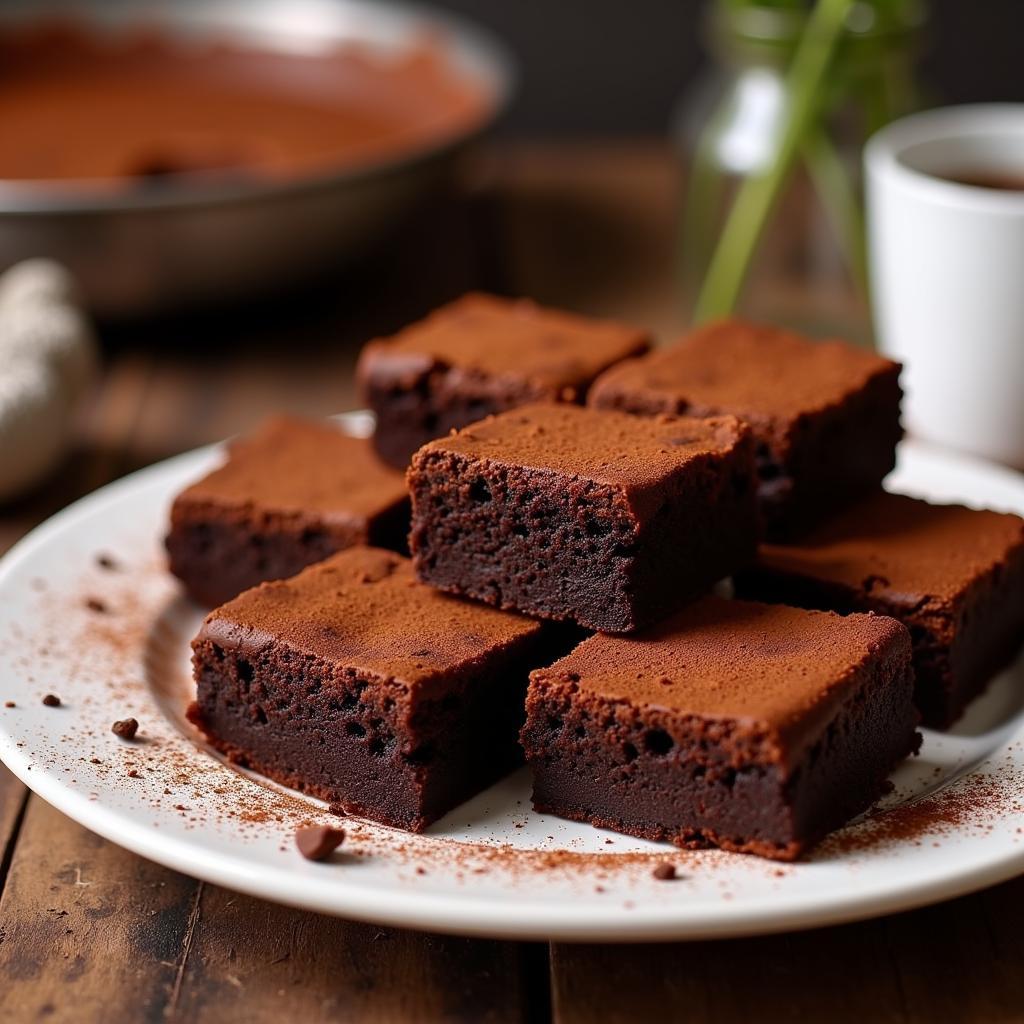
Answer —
970 803
119 662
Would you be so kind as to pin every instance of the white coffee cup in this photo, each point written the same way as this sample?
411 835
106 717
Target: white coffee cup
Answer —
947 273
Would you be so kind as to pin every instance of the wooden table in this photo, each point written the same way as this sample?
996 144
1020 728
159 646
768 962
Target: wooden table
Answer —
89 932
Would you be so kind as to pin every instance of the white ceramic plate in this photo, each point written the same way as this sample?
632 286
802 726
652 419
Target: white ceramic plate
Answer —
113 641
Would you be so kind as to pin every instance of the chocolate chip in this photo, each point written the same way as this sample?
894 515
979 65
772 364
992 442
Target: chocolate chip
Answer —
316 842
51 700
126 728
664 872
94 604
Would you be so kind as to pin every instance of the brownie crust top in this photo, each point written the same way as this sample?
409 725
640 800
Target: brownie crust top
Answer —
607 447
770 667
363 609
302 466
514 338
761 373
903 548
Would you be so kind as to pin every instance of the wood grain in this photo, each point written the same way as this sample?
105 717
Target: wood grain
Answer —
92 933
286 965
957 962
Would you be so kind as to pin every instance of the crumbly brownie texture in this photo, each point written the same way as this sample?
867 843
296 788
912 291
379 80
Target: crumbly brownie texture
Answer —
291 494
754 728
565 512
954 576
482 355
358 685
825 415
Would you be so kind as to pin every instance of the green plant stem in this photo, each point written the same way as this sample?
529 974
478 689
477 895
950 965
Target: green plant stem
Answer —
755 198
839 197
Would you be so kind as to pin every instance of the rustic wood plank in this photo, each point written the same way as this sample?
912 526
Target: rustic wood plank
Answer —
90 931
281 964
954 962
13 797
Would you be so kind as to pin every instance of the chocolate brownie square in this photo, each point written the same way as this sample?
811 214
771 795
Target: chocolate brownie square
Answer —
954 576
825 415
290 494
482 355
755 728
358 685
571 513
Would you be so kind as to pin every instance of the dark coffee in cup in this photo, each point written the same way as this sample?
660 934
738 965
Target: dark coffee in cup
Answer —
1007 181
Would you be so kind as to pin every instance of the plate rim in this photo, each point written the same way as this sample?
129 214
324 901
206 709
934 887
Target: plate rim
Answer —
478 915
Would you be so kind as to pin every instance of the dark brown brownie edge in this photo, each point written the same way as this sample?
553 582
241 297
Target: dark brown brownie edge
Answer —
219 552
328 731
657 775
834 457
957 648
563 548
416 404
826 460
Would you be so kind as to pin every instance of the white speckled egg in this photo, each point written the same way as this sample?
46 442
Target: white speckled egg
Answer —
37 282
33 426
56 334
48 362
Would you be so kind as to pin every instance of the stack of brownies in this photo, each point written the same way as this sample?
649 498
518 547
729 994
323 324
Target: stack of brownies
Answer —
554 478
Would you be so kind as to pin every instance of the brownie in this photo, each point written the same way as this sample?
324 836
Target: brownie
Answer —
825 414
291 494
954 576
358 685
566 512
755 728
482 355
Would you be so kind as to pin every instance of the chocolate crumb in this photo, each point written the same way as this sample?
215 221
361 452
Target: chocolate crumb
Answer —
51 700
94 604
338 810
664 872
421 871
105 561
126 728
95 760
133 774
318 841
9 704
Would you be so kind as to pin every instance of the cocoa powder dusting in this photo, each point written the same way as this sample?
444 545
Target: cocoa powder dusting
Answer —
971 802
138 659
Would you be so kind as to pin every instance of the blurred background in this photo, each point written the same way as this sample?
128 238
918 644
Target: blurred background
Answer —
606 68
245 193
